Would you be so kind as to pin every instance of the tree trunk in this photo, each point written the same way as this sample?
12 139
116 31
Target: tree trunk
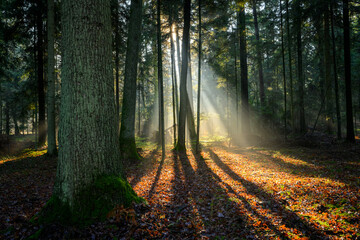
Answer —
258 56
160 82
178 50
347 61
1 111
290 64
245 123
184 68
199 83
337 100
173 75
117 59
190 106
127 130
298 20
236 85
40 74
16 126
87 183
283 70
328 93
51 82
7 119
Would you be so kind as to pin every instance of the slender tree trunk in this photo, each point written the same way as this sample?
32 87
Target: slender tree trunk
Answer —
139 110
40 74
178 51
283 70
88 139
328 93
236 85
199 83
184 68
290 63
36 125
258 56
16 126
7 119
160 82
245 122
347 61
51 82
1 112
190 106
127 130
173 76
337 100
298 19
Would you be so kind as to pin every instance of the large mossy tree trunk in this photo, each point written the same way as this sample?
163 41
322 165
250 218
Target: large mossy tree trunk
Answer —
51 151
183 75
127 130
117 58
88 180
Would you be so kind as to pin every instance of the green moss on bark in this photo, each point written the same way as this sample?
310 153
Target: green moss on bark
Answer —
93 203
128 150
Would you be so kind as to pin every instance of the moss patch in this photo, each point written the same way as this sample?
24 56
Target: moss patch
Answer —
92 204
129 151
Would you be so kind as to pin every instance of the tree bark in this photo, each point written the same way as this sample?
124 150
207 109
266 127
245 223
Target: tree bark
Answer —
283 70
290 63
88 141
245 122
298 23
190 106
199 83
160 82
350 136
337 100
117 59
7 119
258 56
184 68
127 130
51 82
173 75
328 92
40 74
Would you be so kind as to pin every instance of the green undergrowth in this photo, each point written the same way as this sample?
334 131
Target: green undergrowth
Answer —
92 204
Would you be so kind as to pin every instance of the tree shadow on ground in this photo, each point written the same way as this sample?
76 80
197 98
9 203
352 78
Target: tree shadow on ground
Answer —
146 166
25 185
334 164
289 218
202 195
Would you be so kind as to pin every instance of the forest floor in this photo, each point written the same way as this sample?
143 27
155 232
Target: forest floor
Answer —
274 191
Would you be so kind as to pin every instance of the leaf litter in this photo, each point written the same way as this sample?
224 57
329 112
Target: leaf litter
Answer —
222 193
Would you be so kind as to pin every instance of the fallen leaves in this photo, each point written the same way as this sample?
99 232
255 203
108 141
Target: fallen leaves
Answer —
225 193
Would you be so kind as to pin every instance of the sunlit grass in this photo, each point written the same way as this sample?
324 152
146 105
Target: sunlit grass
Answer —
26 153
